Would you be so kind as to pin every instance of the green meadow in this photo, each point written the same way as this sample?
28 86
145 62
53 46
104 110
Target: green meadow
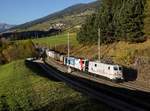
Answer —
23 89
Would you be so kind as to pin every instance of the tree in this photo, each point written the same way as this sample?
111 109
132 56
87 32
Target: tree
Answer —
87 33
131 20
117 19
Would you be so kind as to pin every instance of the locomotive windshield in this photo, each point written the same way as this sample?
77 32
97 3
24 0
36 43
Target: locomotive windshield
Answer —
120 68
115 68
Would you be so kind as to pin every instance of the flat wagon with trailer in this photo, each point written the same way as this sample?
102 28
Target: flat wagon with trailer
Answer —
80 64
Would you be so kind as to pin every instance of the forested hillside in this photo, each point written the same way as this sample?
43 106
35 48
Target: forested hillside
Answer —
117 20
147 18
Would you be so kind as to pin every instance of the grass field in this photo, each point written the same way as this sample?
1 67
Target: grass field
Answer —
22 89
57 40
53 41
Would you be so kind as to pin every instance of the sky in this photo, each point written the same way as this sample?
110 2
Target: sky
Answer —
20 11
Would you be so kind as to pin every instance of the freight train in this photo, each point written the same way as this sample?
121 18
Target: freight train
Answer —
109 71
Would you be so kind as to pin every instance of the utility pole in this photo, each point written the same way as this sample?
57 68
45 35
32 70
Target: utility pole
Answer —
99 35
69 69
55 46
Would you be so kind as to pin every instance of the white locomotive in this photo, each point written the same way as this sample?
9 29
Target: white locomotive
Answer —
113 72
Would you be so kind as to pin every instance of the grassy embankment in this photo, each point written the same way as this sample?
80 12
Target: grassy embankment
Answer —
121 52
22 89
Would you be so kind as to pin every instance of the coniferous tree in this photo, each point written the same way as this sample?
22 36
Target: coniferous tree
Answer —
131 20
87 32
117 19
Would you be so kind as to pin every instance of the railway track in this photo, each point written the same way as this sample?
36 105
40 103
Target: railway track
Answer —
123 85
128 85
135 94
117 99
122 94
133 86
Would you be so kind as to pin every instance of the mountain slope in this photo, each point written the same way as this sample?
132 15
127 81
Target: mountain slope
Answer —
4 26
70 16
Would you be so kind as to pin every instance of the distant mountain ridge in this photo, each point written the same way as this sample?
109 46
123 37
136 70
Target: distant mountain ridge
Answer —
4 26
78 10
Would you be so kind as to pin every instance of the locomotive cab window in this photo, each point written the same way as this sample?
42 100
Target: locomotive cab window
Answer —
115 68
95 65
120 68
68 61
